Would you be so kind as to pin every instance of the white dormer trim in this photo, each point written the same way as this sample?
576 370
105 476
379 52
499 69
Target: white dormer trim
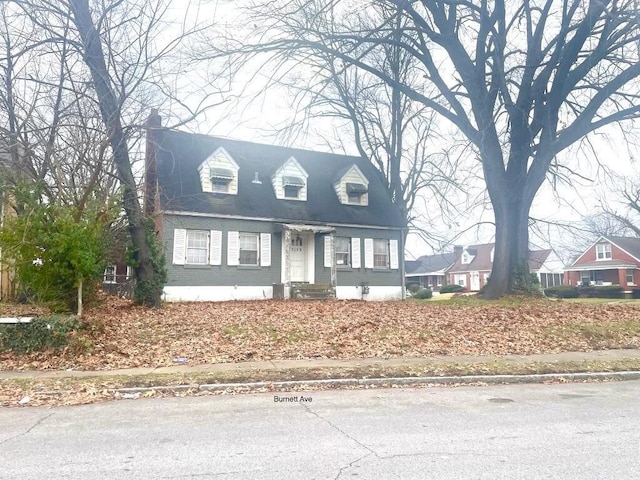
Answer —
466 258
353 176
290 169
220 159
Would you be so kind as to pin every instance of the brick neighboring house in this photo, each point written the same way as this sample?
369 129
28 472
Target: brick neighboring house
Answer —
429 271
611 260
473 264
241 220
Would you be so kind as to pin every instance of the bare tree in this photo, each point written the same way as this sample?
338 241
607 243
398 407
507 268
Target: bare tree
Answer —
79 118
521 81
390 129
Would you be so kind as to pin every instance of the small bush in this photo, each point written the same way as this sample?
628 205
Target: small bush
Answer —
602 291
423 294
562 291
413 287
453 288
40 334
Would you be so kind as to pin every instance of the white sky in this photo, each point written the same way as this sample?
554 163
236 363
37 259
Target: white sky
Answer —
260 119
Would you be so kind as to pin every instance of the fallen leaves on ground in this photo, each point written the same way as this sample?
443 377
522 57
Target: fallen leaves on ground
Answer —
121 335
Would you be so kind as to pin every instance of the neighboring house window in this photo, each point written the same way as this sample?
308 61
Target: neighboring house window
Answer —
129 273
630 276
197 247
249 248
487 275
460 280
603 251
466 258
343 251
380 253
110 274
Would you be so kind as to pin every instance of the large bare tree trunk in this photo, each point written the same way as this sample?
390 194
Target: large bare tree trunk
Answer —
110 112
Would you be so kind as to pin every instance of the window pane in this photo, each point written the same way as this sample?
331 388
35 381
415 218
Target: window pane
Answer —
197 247
343 250
248 249
380 253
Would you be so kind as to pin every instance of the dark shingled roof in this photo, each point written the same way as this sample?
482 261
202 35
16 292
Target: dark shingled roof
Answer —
630 245
429 263
179 154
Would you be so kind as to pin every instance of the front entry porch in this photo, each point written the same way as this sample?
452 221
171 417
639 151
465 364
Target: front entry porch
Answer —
299 261
624 277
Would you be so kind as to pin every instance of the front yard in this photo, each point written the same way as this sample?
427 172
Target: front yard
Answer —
120 335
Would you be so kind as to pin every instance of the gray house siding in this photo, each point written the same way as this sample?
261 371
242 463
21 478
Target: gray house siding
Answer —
356 276
221 275
225 275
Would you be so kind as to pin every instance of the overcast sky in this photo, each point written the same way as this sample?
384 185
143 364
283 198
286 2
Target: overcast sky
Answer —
258 115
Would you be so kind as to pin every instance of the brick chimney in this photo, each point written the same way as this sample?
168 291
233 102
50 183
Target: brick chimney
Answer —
151 199
457 252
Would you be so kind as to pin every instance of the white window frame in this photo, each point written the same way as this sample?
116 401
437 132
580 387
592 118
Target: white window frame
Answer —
246 235
630 274
603 251
191 235
354 198
347 253
377 255
292 188
220 185
460 279
110 278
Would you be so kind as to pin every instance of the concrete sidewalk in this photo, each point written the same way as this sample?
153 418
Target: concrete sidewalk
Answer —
600 355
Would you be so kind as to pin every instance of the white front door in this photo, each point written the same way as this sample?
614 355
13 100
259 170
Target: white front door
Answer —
298 255
475 281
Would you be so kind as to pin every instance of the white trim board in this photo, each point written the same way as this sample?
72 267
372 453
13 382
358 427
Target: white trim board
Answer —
277 220
377 294
217 294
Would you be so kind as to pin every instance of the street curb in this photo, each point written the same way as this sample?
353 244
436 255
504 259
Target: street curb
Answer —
401 381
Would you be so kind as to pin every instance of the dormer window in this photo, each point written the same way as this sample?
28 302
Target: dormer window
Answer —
352 187
290 181
466 258
292 187
220 179
355 192
219 173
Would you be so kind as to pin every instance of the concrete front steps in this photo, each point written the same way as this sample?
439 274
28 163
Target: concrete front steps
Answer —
312 291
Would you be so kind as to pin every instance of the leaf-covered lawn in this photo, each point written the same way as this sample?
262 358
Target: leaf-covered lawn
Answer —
121 335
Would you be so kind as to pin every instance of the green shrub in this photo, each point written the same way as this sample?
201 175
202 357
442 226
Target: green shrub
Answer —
562 291
40 334
423 294
602 291
413 287
453 288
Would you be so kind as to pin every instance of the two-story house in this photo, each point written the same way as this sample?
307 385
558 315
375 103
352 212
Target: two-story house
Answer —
241 220
611 260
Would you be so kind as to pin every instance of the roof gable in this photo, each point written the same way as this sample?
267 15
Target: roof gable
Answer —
629 245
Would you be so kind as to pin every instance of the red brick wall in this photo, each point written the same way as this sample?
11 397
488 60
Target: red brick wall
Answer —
616 254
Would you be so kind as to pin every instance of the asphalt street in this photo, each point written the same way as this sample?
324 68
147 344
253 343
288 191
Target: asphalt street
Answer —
561 431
